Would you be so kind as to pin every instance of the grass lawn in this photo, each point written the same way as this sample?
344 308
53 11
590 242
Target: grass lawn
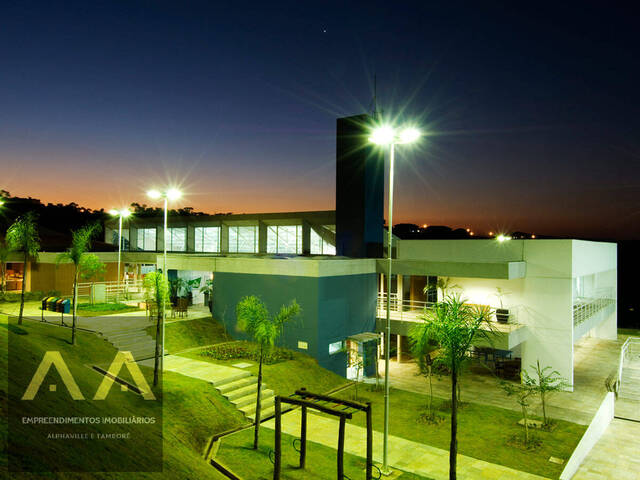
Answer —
634 332
97 309
483 431
192 411
284 378
187 334
237 454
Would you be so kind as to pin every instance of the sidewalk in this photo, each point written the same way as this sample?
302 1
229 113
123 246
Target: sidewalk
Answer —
403 454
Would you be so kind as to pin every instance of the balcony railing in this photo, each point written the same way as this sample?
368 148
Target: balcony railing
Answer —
129 290
413 310
585 308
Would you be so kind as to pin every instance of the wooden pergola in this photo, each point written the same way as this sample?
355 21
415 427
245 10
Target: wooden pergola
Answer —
332 406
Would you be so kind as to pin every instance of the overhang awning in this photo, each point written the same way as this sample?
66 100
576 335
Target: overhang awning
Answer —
500 270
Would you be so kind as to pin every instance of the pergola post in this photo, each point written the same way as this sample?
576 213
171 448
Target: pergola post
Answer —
277 440
341 448
369 472
303 437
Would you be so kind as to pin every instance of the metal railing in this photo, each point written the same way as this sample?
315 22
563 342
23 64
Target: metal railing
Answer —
411 310
126 290
630 347
585 308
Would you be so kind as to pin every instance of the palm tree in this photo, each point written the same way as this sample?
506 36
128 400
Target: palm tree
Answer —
453 325
253 318
4 255
156 289
422 349
80 244
22 236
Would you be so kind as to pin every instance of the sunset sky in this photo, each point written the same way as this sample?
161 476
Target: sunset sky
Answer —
531 114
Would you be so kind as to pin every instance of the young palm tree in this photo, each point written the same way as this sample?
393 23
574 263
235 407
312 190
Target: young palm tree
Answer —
422 349
253 318
80 244
156 288
453 325
4 255
22 236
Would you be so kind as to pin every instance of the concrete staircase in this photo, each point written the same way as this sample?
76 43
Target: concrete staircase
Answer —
135 340
242 391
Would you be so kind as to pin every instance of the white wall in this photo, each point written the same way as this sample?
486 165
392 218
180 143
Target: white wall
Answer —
596 429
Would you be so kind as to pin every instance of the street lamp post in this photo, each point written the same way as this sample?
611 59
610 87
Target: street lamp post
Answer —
386 135
124 213
170 194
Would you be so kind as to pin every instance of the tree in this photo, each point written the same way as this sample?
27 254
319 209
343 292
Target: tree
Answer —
254 319
422 349
548 382
454 325
76 254
443 284
92 270
522 392
22 236
156 289
4 255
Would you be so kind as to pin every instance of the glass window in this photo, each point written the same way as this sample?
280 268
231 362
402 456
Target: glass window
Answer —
177 239
320 246
207 239
336 347
146 239
243 239
284 239
125 238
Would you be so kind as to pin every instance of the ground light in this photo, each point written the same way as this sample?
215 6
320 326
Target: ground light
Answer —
386 135
166 195
124 213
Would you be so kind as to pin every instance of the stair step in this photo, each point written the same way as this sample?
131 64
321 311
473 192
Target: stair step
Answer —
133 344
243 382
248 399
243 391
231 378
251 408
125 336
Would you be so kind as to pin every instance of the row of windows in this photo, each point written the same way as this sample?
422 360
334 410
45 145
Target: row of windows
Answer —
242 239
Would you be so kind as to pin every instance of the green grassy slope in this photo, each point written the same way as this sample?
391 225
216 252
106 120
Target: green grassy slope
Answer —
190 334
193 410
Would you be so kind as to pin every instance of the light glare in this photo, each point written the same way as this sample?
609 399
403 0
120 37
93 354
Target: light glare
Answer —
124 213
502 238
154 193
409 135
173 194
114 212
382 135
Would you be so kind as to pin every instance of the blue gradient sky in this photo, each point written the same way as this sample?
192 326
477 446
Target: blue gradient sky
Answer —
533 114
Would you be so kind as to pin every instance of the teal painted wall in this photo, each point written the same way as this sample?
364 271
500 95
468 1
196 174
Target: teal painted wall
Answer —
332 308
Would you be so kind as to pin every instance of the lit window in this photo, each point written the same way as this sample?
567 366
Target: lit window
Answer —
336 347
243 239
320 246
147 239
284 239
177 239
207 239
125 238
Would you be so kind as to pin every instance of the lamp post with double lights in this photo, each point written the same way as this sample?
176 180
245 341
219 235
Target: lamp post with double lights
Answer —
387 135
124 213
166 195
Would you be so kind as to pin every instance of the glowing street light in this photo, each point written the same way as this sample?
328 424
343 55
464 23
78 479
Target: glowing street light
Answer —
124 213
166 195
502 238
387 135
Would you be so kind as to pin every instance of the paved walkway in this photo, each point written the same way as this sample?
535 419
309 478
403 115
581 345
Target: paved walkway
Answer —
403 454
209 372
615 456
594 360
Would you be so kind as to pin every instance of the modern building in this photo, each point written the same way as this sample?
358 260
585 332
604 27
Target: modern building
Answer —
332 262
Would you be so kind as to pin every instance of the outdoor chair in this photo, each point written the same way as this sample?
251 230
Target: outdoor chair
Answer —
181 308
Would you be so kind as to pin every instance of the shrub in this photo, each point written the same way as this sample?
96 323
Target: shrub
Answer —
13 297
248 351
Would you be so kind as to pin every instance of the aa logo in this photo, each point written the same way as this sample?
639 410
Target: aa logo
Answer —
55 359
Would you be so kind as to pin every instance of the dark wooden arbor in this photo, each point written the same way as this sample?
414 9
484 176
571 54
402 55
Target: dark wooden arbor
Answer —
332 406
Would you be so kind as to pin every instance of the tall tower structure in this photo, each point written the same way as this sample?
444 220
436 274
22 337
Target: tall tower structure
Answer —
359 189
